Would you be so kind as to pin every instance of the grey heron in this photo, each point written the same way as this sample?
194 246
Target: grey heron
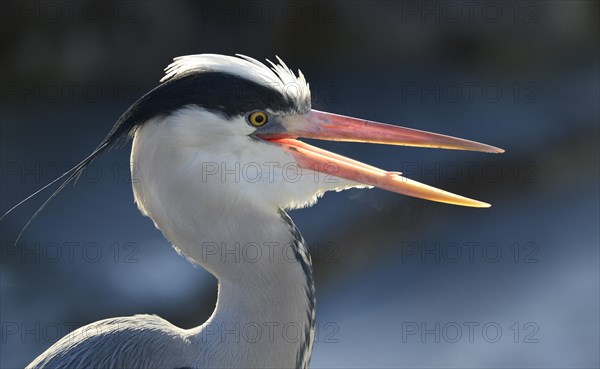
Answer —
210 117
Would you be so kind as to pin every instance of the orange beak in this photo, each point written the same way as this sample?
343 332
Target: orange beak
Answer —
332 127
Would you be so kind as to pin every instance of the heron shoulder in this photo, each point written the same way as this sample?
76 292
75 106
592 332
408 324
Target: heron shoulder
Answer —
139 341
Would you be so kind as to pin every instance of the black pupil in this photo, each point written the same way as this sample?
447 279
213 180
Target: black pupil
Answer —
259 118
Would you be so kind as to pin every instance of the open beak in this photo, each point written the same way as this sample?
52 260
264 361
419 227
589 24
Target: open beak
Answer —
332 127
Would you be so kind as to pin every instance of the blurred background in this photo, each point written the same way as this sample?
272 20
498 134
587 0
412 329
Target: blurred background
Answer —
401 282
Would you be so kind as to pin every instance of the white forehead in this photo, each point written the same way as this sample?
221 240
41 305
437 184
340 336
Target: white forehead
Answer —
279 76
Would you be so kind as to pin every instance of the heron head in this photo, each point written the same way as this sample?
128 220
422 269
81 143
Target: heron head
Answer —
229 126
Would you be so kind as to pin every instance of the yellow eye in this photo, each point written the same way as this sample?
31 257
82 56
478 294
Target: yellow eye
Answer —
258 118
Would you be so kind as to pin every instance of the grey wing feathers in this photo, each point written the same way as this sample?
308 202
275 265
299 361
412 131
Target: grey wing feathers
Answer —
137 342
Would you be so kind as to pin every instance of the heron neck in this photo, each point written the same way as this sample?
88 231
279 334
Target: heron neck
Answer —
264 315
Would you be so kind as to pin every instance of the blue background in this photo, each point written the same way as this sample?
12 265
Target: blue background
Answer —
400 281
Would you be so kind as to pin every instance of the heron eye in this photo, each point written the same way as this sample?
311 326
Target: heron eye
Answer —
258 118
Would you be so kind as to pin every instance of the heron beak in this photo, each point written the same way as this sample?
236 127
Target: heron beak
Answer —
333 127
